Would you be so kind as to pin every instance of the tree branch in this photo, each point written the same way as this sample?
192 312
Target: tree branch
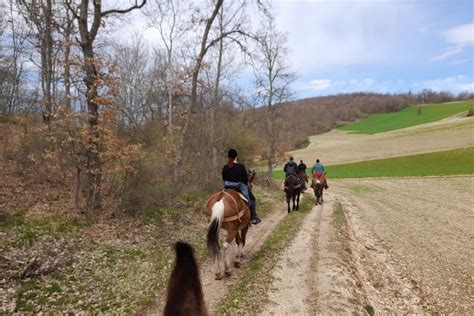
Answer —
118 11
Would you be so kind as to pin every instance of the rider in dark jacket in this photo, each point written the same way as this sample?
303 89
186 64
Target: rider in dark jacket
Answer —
235 175
302 166
290 168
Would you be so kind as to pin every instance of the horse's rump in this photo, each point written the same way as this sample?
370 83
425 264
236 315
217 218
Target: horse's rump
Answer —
318 177
302 175
292 181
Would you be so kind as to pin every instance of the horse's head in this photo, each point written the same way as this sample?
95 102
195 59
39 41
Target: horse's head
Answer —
184 286
251 176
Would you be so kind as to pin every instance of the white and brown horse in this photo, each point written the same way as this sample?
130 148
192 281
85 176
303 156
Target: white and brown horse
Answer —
227 210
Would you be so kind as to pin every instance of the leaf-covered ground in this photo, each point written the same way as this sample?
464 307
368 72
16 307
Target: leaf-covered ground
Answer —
53 259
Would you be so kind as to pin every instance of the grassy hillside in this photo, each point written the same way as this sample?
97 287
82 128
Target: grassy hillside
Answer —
407 117
450 162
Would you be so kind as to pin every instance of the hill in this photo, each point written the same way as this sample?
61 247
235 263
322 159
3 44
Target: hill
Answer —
410 116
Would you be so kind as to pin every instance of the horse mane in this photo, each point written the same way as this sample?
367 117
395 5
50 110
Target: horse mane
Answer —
184 286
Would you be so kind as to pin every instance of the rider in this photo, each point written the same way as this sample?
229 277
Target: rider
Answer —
302 169
234 175
302 166
290 167
319 168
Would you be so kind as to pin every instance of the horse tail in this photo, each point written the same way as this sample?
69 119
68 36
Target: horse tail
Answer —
217 216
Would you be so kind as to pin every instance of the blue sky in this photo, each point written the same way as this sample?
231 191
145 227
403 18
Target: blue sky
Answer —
382 46
340 46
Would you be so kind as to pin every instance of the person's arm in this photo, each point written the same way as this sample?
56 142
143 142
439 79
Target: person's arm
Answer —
324 169
223 174
244 176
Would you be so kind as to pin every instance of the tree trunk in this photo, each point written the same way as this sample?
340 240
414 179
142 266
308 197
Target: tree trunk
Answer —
93 163
67 63
215 103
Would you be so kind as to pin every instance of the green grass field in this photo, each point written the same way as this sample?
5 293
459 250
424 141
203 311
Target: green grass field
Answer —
407 117
450 162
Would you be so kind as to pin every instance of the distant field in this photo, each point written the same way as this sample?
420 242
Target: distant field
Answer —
450 162
407 117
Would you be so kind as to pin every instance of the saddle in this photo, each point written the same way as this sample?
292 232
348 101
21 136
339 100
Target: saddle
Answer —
297 185
239 192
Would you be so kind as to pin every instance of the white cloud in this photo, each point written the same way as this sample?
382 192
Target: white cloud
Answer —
461 34
467 87
449 52
338 86
327 34
454 84
320 84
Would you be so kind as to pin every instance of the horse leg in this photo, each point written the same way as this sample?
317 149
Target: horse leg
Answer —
228 242
288 203
322 196
238 240
294 203
298 201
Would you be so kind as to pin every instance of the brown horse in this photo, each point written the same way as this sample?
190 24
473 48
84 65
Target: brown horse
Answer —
184 286
303 176
227 210
293 191
318 184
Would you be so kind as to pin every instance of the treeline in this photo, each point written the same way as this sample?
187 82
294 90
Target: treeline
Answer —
121 123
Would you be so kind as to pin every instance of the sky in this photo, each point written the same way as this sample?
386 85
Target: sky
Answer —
380 46
385 46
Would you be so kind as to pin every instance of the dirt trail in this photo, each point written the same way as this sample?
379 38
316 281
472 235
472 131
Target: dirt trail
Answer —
311 277
215 290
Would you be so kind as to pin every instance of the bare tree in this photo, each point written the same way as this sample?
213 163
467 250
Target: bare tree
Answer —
167 17
12 56
272 79
39 15
88 31
131 59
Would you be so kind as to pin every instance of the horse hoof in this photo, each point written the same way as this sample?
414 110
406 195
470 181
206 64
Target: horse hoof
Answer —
218 276
237 264
228 273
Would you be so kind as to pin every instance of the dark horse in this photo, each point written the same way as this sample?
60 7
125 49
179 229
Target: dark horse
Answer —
293 191
318 185
184 286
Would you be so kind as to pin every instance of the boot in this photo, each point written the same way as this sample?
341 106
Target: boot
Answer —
256 220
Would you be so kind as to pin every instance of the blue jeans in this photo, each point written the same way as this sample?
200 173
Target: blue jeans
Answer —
238 185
